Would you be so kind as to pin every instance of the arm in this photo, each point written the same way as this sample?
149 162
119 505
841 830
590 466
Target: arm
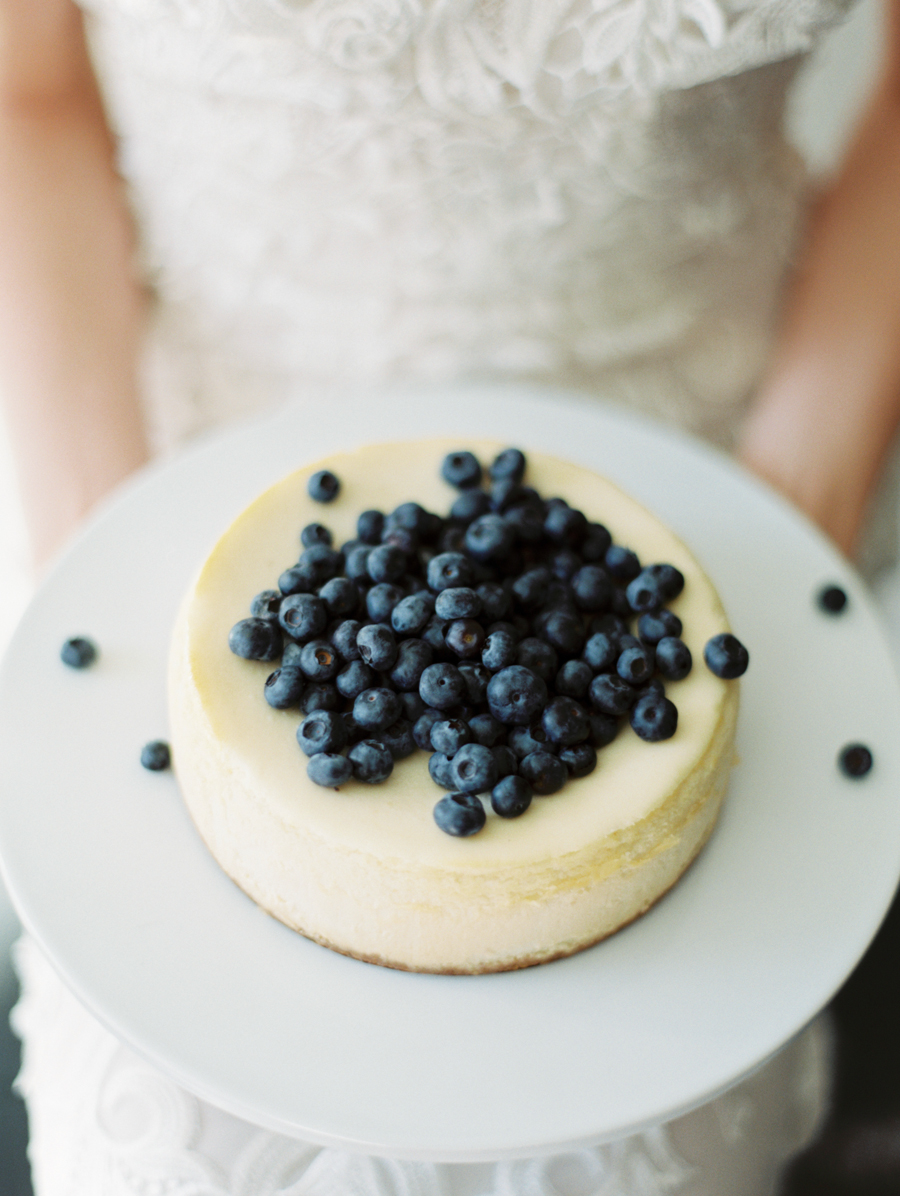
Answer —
830 405
70 306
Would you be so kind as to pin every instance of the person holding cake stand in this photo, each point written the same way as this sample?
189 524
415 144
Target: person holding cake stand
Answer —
317 195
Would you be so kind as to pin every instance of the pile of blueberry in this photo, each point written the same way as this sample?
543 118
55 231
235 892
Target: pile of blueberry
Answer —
500 638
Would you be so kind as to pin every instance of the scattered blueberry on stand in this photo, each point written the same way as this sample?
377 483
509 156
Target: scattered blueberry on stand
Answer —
855 760
511 640
78 652
156 756
832 599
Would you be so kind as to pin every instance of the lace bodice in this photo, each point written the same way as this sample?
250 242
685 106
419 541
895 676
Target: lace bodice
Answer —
347 192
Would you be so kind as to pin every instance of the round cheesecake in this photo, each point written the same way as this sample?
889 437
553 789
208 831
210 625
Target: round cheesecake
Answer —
364 869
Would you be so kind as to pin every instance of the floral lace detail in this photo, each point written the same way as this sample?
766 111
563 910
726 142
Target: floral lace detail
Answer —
351 193
104 1123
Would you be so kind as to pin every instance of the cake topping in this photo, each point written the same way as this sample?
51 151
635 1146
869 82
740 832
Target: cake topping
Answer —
323 486
499 639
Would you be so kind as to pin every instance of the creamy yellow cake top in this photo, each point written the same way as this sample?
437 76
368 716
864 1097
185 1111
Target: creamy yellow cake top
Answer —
394 820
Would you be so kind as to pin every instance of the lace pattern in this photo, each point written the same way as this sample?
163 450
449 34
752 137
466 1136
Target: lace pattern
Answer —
336 193
104 1123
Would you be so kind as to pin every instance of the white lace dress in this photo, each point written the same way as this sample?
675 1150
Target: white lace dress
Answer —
338 193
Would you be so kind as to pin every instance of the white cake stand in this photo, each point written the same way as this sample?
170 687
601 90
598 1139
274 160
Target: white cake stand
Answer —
110 877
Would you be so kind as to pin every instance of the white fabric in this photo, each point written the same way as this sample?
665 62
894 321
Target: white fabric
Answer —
340 193
104 1123
344 192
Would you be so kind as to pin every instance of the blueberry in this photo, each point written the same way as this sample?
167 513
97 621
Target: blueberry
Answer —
354 678
343 638
356 561
525 740
439 770
832 599
329 769
538 656
340 595
654 586
448 570
726 656
611 695
322 731
320 563
465 637
473 768
457 602
515 695
377 646
303 616
413 706
573 679
476 678
156 755
654 718
563 632
398 739
251 639
508 464
381 600
375 709
635 665
369 527
320 695
411 516
413 658
506 760
603 729
565 525
460 814
490 539
284 688
80 653
654 627
469 505
673 658
371 761
448 735
622 563
596 542
527 522
565 721
462 470
601 651
422 727
511 796
323 486
386 563
855 760
592 588
441 686
265 605
316 533
580 759
319 661
494 600
433 635
411 614
486 729
530 589
499 650
545 773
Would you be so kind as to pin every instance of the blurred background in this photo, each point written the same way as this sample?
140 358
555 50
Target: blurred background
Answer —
825 105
